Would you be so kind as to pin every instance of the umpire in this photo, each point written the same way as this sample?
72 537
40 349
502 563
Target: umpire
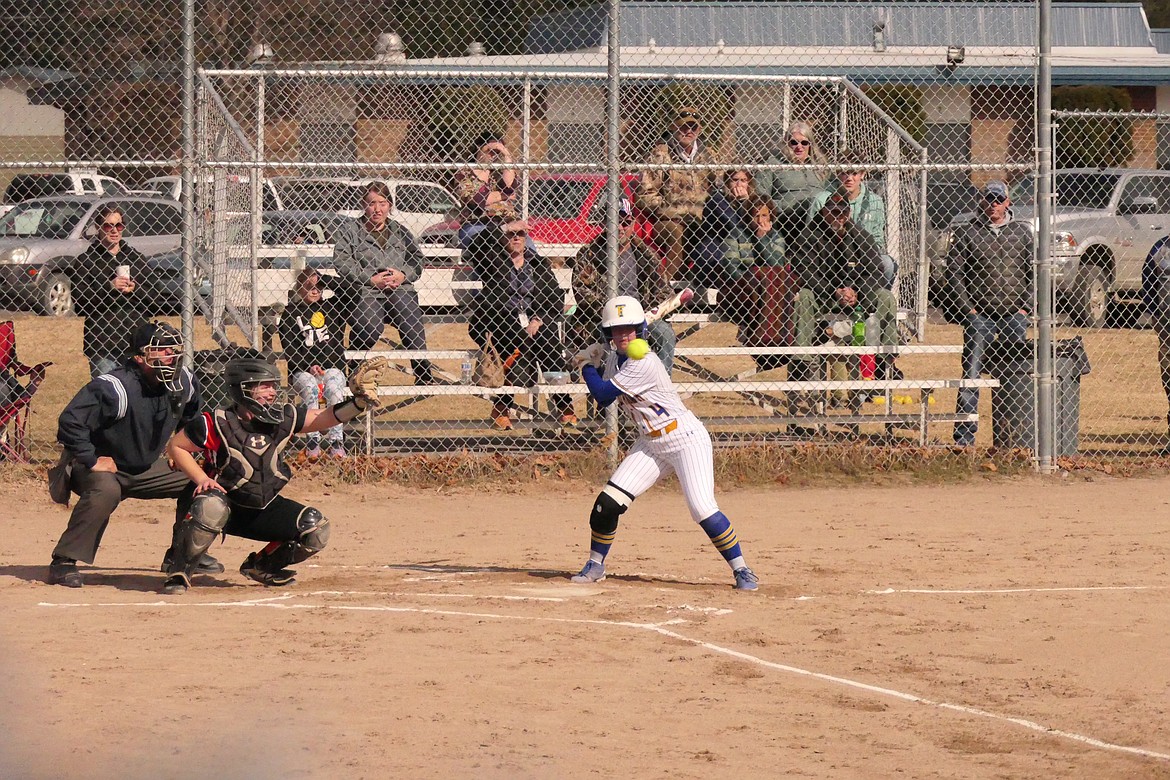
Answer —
113 432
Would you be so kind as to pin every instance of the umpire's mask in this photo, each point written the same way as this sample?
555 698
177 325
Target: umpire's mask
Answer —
256 385
159 347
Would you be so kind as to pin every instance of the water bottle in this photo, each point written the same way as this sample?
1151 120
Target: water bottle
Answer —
873 334
465 371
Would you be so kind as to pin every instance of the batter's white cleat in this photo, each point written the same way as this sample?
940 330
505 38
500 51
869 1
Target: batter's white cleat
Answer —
593 572
746 579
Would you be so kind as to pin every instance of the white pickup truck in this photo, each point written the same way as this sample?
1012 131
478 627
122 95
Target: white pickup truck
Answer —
1105 222
26 186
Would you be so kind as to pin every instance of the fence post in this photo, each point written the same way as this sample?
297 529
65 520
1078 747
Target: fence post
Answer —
1045 320
188 186
614 190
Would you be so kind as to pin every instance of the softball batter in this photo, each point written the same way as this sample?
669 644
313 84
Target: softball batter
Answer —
671 439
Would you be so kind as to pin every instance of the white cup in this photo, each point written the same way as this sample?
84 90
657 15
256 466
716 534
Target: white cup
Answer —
122 272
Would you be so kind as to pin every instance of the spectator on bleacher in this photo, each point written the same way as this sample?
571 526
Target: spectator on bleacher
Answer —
310 335
754 242
990 267
840 269
639 275
674 198
377 262
791 190
521 306
866 207
107 294
706 241
484 191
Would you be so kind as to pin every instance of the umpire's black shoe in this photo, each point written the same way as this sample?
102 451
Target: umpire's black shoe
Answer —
63 571
206 565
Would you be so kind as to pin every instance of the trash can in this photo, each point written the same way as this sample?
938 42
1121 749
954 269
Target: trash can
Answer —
1013 403
209 366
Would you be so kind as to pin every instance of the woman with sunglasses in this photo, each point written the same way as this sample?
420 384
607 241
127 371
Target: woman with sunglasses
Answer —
792 190
107 291
520 307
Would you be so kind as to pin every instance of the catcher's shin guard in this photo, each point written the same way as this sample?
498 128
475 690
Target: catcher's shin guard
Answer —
268 566
205 520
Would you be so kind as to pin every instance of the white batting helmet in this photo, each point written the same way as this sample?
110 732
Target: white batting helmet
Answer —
622 310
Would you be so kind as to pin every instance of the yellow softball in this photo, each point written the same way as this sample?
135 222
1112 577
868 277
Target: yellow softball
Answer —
637 349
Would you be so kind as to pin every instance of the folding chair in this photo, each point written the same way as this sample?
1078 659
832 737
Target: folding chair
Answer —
15 396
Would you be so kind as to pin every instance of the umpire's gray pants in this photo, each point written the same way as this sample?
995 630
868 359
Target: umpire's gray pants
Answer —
100 493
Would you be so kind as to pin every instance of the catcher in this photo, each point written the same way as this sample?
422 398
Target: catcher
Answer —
243 450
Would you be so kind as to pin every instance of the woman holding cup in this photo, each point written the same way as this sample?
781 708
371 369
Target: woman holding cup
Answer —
106 292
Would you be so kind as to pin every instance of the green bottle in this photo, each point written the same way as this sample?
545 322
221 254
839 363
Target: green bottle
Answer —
859 327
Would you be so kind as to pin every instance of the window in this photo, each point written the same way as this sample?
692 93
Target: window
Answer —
418 198
88 185
1148 187
557 198
1085 190
43 220
151 219
320 195
113 188
29 186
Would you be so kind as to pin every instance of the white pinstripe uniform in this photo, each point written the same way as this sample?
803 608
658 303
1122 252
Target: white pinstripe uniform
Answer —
672 438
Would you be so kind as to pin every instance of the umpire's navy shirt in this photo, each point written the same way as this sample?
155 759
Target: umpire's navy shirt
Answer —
122 415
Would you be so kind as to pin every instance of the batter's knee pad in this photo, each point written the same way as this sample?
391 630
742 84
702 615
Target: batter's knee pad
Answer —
313 528
608 507
205 520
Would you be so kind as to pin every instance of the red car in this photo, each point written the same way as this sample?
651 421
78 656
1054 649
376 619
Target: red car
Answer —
565 212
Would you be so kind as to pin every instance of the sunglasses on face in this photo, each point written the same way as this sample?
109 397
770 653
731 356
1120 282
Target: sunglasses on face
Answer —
797 142
510 234
995 199
113 225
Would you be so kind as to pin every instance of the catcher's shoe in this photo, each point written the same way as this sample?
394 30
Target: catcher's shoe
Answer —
502 423
206 565
593 572
176 584
570 425
746 579
253 569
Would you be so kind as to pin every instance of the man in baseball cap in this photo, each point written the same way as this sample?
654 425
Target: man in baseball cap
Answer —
989 264
674 197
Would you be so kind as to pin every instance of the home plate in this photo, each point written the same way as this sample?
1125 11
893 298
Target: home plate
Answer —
561 592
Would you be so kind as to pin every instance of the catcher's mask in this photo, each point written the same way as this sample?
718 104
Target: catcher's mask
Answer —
623 310
245 378
160 347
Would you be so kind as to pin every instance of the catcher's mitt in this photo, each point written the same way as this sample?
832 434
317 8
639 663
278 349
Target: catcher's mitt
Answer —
365 381
593 355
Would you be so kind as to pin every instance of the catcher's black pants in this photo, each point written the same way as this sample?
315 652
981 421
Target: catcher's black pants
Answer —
99 494
277 522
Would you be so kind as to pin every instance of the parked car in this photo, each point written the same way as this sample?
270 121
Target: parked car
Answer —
565 212
1106 220
27 186
416 204
171 187
41 239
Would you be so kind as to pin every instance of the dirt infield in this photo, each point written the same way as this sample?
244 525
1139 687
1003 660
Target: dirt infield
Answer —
990 629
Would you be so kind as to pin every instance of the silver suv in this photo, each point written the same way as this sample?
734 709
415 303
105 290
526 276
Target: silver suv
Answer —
41 239
1105 222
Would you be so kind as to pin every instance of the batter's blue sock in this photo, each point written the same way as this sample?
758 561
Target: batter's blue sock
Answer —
599 545
722 535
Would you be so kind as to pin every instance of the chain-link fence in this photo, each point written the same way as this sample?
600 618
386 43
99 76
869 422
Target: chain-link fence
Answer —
444 183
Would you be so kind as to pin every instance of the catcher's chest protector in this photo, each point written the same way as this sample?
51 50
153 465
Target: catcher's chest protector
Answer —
253 471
